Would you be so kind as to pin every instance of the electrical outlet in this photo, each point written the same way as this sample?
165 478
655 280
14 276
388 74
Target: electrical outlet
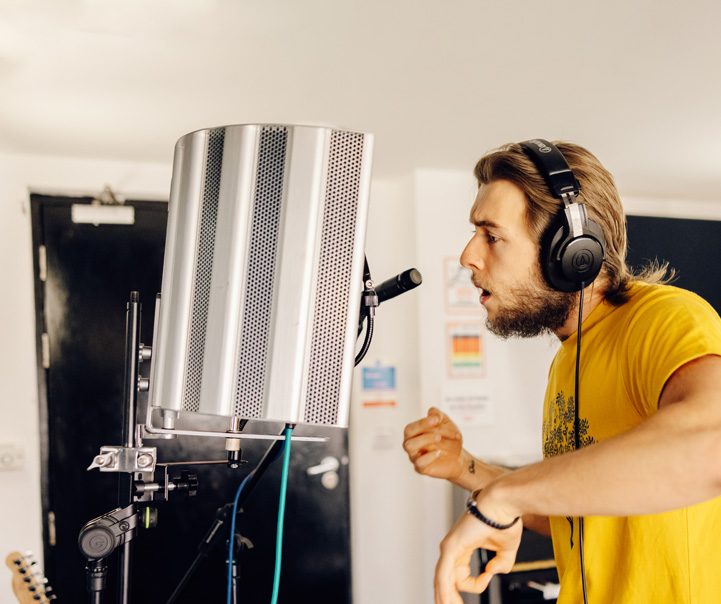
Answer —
12 456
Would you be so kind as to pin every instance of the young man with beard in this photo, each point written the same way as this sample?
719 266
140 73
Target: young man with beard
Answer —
630 482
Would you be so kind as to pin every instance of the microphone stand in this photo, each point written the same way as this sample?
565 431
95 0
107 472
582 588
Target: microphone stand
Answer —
215 535
116 529
125 479
132 458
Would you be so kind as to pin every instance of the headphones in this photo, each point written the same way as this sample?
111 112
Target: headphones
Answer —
573 248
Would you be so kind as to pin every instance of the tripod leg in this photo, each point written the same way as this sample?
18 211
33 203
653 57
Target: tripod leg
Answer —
235 581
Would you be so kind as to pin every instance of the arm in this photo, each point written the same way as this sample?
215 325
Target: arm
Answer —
435 447
668 462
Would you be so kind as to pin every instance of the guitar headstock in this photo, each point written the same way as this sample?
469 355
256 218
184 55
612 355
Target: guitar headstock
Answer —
28 586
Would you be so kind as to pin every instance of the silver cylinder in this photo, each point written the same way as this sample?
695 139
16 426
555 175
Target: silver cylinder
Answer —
263 273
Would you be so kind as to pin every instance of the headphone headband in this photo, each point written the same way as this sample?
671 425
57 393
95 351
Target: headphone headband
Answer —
553 166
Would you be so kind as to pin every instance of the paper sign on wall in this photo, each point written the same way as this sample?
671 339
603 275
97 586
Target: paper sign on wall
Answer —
468 404
461 295
378 385
465 350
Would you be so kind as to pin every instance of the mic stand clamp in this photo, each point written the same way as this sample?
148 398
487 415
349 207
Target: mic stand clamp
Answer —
100 537
125 459
184 486
369 302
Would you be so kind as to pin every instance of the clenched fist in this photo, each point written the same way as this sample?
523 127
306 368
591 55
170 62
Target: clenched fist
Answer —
435 447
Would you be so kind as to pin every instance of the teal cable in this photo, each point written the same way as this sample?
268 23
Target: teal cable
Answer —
281 515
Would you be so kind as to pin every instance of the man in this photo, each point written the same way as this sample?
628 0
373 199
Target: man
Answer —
645 476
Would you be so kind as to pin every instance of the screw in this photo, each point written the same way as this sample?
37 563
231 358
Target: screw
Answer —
145 460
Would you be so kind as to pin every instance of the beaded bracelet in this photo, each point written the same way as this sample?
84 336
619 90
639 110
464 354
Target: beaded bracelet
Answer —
472 507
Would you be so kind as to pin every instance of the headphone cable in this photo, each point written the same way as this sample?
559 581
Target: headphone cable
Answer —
577 438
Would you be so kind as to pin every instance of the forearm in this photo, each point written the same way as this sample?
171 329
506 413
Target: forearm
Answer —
668 462
476 474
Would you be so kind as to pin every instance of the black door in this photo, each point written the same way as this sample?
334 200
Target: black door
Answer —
84 274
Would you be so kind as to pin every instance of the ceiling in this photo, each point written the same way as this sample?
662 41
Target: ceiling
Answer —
437 82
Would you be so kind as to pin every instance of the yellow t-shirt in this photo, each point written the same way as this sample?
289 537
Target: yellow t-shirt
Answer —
628 353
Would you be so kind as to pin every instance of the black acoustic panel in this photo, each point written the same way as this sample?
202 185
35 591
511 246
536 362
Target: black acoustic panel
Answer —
690 246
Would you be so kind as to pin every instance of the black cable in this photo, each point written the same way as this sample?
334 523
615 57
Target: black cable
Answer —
367 341
577 438
576 419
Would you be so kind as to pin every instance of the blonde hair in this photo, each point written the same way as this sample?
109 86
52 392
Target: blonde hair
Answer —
598 193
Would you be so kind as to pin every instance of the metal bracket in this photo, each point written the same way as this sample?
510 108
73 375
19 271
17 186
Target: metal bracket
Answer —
125 459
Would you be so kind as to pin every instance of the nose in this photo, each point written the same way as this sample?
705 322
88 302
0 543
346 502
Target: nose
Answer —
471 256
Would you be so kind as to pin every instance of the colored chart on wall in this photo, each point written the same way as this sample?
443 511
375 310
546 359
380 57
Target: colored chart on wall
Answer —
465 358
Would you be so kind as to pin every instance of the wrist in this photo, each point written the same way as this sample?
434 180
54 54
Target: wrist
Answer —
475 474
472 508
492 504
468 472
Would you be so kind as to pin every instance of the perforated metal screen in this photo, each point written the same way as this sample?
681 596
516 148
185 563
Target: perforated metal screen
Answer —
333 293
203 271
253 350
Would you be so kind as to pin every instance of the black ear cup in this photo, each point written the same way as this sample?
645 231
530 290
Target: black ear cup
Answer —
573 248
569 262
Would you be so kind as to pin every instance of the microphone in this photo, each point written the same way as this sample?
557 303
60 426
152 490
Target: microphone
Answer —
390 288
399 284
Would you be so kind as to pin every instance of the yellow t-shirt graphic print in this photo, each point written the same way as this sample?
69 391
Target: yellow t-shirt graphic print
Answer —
558 426
628 354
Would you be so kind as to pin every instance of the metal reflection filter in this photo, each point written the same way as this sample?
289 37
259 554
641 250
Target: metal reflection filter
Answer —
263 274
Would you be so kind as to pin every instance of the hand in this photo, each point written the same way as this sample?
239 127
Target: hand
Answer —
453 572
435 446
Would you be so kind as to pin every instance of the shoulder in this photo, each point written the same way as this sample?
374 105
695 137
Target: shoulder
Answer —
666 321
666 303
664 318
662 329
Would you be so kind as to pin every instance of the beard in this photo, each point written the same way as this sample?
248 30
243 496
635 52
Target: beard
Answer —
531 310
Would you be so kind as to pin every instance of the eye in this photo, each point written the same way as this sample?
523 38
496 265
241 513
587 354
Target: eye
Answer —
491 238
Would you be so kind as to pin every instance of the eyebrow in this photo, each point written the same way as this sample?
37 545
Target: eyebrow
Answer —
487 224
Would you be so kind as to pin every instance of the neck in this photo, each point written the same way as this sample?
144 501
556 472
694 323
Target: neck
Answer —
593 295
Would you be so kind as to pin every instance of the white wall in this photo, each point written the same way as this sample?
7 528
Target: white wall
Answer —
386 552
388 544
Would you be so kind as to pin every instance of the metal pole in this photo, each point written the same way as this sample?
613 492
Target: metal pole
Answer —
130 389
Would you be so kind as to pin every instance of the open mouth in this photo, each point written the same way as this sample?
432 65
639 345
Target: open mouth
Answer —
484 293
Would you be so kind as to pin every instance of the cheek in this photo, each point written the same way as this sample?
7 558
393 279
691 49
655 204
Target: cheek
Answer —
509 277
